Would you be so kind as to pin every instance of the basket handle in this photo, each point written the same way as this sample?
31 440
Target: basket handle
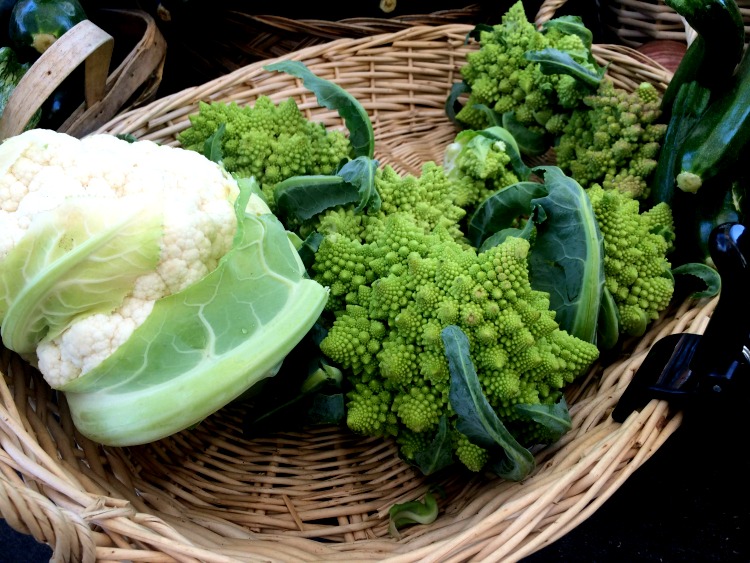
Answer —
83 42
547 11
142 68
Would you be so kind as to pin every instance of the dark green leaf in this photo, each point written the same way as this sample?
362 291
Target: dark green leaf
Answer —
302 197
129 137
554 418
476 33
326 409
704 272
333 96
452 105
500 236
475 417
308 247
438 454
555 61
608 323
501 209
529 141
567 260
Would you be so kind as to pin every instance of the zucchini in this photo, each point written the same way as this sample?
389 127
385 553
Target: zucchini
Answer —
720 134
36 24
712 57
689 105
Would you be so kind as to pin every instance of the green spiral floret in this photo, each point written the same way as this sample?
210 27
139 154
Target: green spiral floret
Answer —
614 140
502 78
425 281
267 141
636 248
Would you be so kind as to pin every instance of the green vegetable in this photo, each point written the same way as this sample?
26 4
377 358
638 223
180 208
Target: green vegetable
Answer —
37 24
235 327
636 247
689 104
482 162
412 512
712 57
614 139
566 261
538 75
413 283
266 141
476 418
11 72
720 134
333 96
149 309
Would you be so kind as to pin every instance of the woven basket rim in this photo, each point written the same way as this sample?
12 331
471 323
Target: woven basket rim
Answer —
79 498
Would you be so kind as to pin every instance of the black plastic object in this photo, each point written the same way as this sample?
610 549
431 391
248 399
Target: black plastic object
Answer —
709 371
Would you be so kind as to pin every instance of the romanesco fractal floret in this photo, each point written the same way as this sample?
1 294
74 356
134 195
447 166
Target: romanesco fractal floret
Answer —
423 280
501 78
636 246
267 141
614 140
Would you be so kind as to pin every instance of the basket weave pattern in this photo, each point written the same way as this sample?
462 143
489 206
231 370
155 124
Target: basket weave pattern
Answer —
211 494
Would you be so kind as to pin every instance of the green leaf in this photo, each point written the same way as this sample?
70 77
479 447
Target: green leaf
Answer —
501 209
555 61
608 323
308 248
570 25
452 105
529 141
499 237
204 346
360 173
333 96
567 260
75 260
705 273
555 418
212 145
412 512
475 417
300 198
439 454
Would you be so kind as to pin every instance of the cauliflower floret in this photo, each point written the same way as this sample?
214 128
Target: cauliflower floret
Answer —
88 342
41 169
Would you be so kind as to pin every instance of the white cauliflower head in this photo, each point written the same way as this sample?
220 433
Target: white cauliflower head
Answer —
41 170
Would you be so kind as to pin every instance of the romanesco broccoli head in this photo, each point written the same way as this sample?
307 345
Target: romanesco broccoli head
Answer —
423 281
270 142
501 77
614 140
479 165
636 248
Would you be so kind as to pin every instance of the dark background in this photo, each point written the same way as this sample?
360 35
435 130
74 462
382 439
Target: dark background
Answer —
688 503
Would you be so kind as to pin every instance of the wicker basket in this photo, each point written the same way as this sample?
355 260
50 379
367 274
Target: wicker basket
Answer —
634 22
210 494
122 53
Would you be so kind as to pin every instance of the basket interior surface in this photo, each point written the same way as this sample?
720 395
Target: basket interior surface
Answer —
214 494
